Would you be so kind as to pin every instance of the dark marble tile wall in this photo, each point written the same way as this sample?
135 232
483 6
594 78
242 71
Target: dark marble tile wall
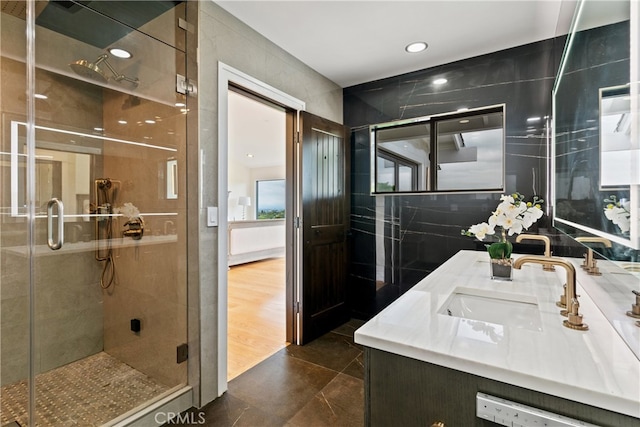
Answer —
398 240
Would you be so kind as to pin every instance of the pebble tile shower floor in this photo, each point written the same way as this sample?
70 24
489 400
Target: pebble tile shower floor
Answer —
88 392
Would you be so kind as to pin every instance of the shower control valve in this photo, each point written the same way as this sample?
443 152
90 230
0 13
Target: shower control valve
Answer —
134 228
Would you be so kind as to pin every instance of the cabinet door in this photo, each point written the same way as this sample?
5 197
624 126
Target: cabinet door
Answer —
407 392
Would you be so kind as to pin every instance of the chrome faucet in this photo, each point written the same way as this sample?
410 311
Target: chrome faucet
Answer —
590 262
574 318
547 247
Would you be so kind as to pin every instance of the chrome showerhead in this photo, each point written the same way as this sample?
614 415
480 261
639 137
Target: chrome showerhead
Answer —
92 70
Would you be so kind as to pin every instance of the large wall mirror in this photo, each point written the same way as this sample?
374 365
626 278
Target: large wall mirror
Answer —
595 155
595 174
451 152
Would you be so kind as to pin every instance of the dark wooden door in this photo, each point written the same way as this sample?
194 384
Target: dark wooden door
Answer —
325 225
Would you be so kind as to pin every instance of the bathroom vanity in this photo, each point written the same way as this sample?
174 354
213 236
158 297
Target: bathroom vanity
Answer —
458 333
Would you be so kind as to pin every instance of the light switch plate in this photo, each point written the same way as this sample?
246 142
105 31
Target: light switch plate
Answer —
212 216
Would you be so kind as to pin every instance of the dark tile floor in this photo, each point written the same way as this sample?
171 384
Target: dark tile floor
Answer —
318 384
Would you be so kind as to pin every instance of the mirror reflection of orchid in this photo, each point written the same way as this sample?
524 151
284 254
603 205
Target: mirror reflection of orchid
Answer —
512 216
134 227
618 212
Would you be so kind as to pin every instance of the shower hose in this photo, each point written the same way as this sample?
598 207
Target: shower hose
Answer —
109 268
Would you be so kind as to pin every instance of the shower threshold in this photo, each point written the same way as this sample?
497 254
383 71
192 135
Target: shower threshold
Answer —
88 392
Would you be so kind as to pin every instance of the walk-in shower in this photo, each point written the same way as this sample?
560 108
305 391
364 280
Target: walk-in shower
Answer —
90 330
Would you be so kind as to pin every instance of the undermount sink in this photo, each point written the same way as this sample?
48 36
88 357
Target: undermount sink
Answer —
513 310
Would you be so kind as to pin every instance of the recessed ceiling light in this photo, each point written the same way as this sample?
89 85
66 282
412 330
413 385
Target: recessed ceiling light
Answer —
120 53
416 47
180 104
150 122
533 119
440 81
249 155
40 96
122 122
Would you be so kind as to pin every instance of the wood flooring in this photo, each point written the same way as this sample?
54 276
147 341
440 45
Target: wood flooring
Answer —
256 313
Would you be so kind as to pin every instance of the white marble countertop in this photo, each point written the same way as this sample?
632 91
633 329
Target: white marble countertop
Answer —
594 367
613 292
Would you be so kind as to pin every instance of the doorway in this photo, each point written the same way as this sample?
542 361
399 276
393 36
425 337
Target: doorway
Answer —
228 80
316 220
256 286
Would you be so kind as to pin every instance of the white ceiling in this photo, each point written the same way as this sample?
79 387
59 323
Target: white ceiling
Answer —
257 133
352 42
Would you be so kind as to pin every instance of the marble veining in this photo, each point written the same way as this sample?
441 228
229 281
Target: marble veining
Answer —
594 367
400 239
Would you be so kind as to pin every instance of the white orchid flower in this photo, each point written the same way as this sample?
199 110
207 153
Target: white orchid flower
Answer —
481 230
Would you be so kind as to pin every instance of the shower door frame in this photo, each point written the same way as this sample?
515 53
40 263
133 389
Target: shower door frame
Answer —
170 404
227 76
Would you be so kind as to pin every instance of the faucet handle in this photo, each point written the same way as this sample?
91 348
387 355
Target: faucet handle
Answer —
548 267
562 302
585 261
574 318
635 308
594 270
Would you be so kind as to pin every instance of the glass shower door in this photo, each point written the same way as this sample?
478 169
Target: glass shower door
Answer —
100 183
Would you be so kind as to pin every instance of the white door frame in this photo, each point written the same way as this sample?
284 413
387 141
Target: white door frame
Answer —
226 75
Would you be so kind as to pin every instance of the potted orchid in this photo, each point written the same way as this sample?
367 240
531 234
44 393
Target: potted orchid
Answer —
512 216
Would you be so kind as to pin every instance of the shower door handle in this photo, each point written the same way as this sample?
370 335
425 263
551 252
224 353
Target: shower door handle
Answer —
54 245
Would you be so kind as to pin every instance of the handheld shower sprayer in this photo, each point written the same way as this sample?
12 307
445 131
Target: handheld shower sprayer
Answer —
105 195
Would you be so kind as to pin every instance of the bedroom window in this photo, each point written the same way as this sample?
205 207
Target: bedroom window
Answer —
270 199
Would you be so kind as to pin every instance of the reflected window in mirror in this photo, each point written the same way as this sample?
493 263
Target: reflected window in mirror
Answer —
615 138
451 152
